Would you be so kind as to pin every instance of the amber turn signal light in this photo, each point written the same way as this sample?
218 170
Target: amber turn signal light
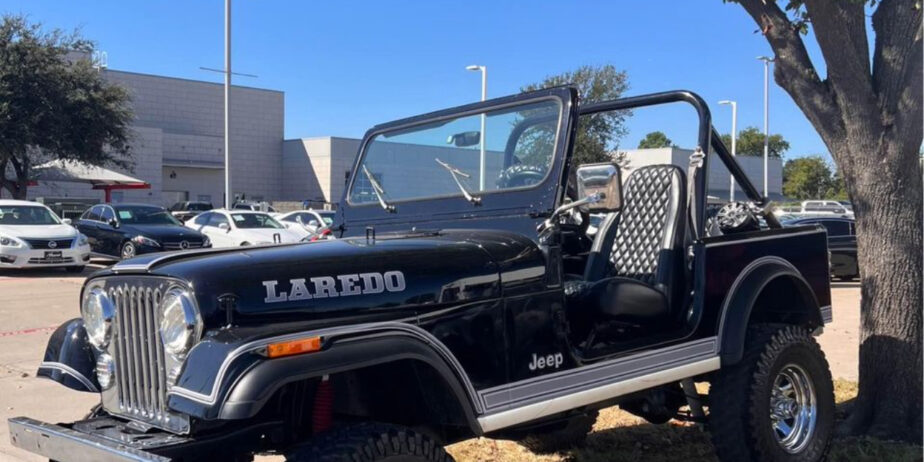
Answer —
293 347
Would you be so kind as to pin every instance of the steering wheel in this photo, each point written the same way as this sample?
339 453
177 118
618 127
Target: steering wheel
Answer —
736 217
517 176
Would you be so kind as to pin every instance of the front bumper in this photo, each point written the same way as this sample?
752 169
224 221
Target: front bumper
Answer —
25 257
68 444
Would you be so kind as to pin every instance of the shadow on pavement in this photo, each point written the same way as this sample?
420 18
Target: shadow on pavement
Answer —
95 265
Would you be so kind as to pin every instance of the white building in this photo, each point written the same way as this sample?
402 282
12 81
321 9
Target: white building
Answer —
719 180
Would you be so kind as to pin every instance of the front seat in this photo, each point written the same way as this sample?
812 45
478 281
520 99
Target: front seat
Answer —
635 271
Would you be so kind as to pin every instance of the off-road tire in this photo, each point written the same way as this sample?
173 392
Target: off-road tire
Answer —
739 397
573 434
370 442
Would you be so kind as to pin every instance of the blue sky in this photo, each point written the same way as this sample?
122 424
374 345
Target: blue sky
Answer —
345 66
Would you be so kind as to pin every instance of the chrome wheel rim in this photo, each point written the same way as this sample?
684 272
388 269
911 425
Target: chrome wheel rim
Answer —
128 251
793 408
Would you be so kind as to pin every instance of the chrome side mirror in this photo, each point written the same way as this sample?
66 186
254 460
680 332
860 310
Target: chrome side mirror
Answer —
603 182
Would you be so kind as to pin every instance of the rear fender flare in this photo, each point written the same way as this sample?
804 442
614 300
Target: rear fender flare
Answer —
69 358
738 305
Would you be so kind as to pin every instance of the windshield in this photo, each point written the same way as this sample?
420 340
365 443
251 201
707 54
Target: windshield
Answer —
200 207
26 215
254 220
452 158
327 217
145 216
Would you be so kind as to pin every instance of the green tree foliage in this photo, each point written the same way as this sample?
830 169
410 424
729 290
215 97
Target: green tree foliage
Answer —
55 108
807 178
655 140
751 143
598 135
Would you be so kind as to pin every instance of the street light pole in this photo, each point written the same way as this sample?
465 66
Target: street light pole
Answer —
734 142
227 107
767 61
484 96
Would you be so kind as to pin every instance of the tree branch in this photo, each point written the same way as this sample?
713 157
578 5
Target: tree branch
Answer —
896 58
793 69
840 29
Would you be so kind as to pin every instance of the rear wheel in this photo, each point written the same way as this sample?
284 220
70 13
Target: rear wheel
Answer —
370 442
777 403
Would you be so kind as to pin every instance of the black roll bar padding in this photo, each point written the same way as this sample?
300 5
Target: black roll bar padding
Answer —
735 169
704 135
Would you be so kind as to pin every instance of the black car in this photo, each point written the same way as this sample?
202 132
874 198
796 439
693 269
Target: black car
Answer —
842 244
189 209
461 298
126 230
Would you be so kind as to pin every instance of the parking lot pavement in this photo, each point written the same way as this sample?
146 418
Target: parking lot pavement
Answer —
33 303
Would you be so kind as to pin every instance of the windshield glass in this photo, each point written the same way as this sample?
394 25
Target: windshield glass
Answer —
254 220
145 216
200 207
26 215
411 163
327 217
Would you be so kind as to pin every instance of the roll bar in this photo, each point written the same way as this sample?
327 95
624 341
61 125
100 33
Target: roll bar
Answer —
707 138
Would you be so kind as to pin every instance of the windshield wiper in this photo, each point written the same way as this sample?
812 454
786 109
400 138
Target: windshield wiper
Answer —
379 191
456 173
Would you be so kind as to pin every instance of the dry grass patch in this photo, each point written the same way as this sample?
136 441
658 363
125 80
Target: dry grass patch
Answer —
620 436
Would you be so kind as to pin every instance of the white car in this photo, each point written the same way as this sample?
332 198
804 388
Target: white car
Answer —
310 220
234 228
32 236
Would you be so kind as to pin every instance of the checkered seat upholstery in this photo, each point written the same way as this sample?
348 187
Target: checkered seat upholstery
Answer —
635 268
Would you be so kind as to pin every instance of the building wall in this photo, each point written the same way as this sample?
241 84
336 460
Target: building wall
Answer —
719 179
315 168
179 128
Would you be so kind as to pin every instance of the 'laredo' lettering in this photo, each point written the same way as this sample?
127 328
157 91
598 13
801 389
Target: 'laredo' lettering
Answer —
343 285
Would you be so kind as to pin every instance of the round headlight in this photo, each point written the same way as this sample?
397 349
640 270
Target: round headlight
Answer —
180 325
97 311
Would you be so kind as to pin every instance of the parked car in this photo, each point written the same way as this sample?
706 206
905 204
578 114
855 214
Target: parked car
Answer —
445 311
253 206
126 230
311 220
234 228
842 244
825 207
32 236
183 211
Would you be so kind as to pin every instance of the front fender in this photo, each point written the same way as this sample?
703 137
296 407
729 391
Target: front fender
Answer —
235 381
69 358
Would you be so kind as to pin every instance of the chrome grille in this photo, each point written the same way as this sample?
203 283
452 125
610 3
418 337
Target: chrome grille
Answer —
45 243
179 245
138 352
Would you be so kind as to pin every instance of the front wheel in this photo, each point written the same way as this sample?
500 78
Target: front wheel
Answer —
777 403
370 442
128 250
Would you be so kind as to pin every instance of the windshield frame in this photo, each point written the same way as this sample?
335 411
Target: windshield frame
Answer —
431 119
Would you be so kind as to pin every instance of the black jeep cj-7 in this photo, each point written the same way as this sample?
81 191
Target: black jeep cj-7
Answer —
464 297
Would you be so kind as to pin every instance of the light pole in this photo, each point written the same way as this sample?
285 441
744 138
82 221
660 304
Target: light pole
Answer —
484 95
767 61
734 141
227 102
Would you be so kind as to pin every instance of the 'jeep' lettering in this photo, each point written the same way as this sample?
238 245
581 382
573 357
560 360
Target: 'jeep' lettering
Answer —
542 362
343 285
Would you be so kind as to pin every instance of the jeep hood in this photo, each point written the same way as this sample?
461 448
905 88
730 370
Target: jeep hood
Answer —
389 278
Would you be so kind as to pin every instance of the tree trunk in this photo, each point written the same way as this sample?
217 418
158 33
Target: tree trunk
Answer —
884 179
